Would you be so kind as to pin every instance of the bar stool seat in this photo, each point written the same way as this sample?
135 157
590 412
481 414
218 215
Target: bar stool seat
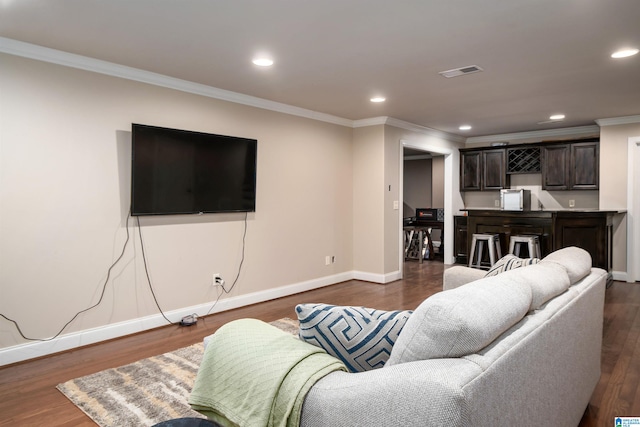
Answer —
532 242
493 244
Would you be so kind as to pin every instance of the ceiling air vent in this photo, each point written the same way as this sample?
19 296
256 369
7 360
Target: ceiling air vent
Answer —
470 69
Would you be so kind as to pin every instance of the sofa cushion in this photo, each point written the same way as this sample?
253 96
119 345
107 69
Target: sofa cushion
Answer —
361 337
461 321
575 260
510 262
546 280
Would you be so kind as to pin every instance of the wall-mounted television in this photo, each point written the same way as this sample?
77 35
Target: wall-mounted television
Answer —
177 171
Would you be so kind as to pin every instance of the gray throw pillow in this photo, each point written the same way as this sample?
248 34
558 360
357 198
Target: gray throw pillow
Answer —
575 260
546 280
461 321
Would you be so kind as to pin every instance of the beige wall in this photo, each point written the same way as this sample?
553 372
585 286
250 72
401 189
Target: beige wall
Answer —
614 142
417 185
392 214
65 146
64 192
368 199
437 182
423 184
376 183
322 190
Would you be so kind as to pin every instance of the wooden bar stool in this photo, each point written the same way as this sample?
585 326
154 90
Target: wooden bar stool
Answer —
493 244
532 242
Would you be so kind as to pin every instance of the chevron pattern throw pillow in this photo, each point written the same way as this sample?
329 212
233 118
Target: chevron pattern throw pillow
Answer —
361 337
509 262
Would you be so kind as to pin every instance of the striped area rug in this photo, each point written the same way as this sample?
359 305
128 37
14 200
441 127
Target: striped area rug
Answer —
145 392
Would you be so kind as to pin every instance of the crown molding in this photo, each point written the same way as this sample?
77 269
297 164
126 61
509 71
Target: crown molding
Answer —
373 121
383 120
424 130
45 54
538 134
618 121
40 53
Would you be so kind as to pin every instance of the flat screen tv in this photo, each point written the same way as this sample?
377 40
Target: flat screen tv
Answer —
184 172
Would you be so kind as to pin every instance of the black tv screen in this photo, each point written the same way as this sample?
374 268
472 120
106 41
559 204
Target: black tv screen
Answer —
183 172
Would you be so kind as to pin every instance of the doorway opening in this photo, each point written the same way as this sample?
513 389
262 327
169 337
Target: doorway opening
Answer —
423 204
452 202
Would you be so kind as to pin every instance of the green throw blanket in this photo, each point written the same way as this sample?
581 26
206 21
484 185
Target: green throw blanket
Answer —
254 374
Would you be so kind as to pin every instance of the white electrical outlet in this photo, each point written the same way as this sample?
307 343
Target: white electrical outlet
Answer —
327 260
572 203
217 280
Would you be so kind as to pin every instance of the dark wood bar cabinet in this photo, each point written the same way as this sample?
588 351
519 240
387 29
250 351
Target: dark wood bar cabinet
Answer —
591 230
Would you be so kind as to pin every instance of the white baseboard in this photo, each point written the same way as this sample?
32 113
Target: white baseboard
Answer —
377 278
32 350
620 275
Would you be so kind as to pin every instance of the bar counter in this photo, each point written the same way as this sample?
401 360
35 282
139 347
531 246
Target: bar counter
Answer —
590 229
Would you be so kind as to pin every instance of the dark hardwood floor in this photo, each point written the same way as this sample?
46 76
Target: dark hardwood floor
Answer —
28 396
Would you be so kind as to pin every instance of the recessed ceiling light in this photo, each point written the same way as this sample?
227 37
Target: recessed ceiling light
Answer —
557 117
263 61
624 53
465 127
378 99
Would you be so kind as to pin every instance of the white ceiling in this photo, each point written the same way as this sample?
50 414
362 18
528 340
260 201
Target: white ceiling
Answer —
539 57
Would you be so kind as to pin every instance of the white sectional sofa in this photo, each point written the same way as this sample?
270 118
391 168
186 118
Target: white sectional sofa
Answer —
519 348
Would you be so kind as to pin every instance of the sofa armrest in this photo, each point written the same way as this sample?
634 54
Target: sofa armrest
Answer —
459 275
413 394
